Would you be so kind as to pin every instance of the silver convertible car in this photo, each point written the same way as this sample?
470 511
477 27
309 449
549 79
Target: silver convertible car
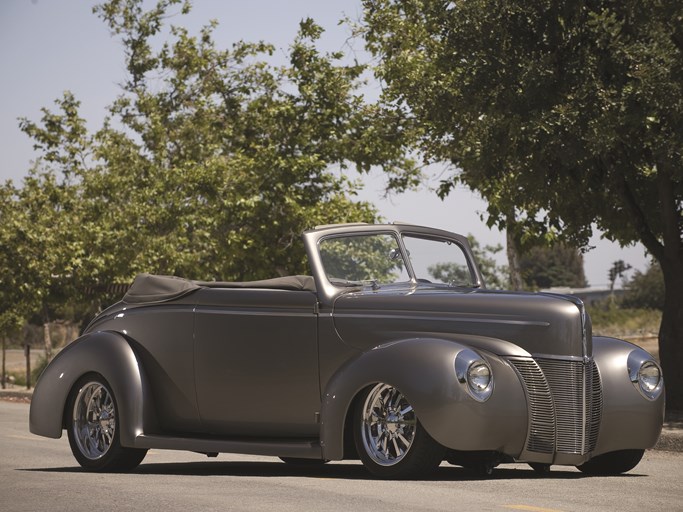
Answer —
393 352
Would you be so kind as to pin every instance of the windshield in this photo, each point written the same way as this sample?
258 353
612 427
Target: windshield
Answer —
363 259
438 261
377 259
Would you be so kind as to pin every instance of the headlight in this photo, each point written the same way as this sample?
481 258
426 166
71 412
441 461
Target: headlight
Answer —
645 374
474 374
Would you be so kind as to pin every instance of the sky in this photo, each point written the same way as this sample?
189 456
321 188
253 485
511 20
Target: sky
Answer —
51 46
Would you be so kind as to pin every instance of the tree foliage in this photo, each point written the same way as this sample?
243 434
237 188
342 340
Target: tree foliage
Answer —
645 290
495 276
559 265
209 164
544 108
567 115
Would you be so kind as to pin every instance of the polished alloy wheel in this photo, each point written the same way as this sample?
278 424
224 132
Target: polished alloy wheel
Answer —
94 420
388 425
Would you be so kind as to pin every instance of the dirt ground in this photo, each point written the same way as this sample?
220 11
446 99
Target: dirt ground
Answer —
15 361
648 343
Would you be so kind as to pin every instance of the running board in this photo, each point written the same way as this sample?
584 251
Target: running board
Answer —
301 448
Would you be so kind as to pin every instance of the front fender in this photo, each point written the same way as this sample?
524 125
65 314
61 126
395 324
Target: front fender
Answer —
629 420
106 353
423 370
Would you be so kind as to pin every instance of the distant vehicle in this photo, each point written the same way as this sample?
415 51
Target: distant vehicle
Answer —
392 352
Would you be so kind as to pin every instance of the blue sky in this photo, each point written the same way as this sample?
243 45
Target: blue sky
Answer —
49 46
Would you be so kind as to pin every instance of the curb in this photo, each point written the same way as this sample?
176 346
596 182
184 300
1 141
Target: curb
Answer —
671 438
16 395
670 441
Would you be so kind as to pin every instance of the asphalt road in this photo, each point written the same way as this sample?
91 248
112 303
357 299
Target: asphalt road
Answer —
40 474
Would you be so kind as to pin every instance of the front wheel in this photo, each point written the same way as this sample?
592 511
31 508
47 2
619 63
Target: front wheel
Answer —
613 463
390 440
93 428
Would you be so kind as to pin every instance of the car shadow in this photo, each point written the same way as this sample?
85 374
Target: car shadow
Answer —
327 471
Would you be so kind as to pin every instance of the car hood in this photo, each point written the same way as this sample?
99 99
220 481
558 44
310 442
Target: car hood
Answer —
505 323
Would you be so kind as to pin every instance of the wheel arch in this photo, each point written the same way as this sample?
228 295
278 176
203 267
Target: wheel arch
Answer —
629 420
108 354
423 369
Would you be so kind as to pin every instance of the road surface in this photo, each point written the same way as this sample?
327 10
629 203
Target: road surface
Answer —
41 474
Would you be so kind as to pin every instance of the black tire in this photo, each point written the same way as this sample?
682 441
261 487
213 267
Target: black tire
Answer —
613 463
402 447
93 428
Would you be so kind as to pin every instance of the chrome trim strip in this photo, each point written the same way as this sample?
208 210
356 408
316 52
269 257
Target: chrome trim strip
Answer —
221 311
582 310
450 318
536 355
304 448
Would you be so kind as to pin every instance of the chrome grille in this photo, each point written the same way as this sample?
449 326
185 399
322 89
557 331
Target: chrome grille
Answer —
541 436
565 404
594 415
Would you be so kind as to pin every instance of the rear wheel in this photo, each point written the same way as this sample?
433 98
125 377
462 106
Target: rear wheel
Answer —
389 438
93 428
613 463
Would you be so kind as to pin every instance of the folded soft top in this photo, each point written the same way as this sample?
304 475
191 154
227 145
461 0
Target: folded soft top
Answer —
148 288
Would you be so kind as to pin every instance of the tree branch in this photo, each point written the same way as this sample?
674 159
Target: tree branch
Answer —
637 216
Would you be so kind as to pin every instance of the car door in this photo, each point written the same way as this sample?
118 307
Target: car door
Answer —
256 362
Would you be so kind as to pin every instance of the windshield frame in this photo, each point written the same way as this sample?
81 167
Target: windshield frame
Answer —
466 251
328 292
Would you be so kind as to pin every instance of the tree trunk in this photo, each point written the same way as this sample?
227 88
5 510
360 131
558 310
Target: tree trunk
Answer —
47 338
27 353
671 334
671 260
4 359
513 251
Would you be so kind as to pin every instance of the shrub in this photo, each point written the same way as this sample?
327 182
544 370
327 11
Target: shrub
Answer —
611 320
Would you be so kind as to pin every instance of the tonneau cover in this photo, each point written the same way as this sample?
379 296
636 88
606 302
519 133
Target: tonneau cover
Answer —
148 288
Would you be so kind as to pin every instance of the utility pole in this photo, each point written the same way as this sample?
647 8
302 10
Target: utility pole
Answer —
617 270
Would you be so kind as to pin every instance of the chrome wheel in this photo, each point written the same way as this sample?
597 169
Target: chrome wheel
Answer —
388 425
94 420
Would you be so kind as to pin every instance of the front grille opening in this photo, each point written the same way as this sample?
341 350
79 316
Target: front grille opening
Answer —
565 404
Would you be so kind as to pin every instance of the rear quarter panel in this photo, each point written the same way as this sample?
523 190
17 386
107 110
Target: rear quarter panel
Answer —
107 354
162 337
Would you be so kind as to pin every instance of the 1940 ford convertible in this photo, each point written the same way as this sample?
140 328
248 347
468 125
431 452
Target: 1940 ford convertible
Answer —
392 352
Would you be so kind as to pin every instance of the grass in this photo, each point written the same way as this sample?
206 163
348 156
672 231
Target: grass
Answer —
611 320
19 377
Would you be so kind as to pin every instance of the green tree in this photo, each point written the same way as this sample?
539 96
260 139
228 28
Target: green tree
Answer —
559 265
495 276
15 297
563 115
210 163
645 290
34 243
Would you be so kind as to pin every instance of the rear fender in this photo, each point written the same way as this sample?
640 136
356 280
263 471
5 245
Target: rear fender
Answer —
108 354
423 370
